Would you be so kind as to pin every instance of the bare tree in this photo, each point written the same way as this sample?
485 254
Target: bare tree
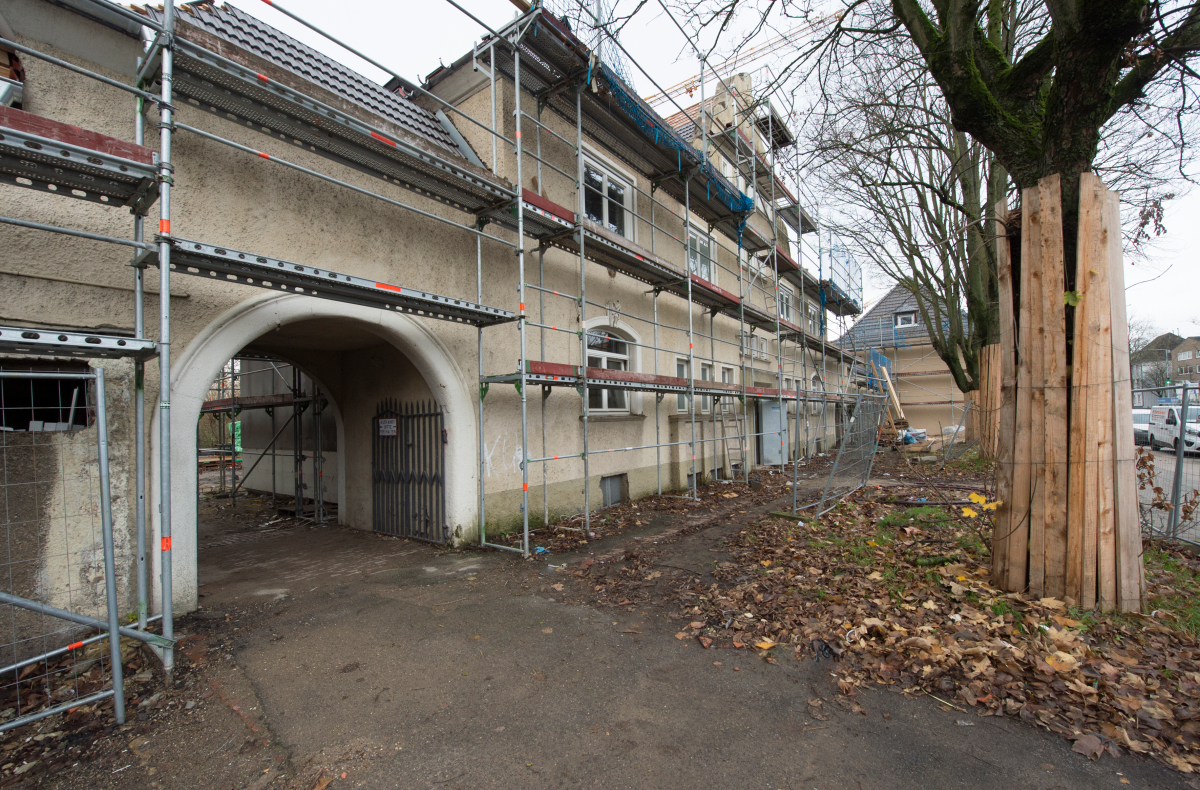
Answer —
915 208
1073 87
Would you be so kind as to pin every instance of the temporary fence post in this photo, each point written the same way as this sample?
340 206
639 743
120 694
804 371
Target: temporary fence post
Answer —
165 170
110 565
1177 482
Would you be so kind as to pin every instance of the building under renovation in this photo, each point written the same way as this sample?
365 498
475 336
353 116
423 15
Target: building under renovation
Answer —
445 311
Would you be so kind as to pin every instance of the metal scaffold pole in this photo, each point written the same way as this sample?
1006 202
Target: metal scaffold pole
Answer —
521 318
580 190
139 386
164 316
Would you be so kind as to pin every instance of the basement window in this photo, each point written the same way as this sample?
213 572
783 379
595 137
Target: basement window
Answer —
46 404
614 489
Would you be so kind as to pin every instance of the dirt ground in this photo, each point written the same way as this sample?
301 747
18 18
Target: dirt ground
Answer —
333 658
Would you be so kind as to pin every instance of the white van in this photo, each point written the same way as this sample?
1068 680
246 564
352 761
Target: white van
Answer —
1164 428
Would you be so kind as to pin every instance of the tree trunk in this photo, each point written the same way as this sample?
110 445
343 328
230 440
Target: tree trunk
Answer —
1067 526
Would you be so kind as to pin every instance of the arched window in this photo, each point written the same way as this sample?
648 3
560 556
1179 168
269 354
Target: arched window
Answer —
610 351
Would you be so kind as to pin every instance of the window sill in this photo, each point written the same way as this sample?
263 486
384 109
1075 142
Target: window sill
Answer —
701 416
607 417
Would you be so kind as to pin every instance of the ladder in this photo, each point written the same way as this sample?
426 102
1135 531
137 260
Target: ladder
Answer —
731 430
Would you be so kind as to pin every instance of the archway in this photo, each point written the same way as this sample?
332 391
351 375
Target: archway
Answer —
200 362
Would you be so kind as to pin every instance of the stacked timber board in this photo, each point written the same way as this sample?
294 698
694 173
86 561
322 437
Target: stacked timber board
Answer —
1068 523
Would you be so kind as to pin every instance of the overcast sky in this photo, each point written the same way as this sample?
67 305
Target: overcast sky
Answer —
413 44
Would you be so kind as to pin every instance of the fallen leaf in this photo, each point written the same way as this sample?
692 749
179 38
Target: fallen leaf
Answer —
1052 603
323 783
766 644
547 630
1061 662
556 587
681 635
875 576
1089 746
704 640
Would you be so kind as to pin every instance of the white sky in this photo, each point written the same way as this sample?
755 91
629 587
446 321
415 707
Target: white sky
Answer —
412 44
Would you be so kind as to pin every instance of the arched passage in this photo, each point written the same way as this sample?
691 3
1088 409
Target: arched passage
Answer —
273 318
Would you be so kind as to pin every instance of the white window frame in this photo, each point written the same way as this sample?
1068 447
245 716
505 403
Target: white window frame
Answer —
785 303
697 237
814 323
706 374
598 161
604 358
682 364
1183 355
900 323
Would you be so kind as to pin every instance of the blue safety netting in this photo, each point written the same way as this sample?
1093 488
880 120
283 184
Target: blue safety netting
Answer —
663 135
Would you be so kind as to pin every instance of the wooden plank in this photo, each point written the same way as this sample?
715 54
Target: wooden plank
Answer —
1055 366
892 396
1018 554
1101 370
1088 357
73 135
1130 592
1008 382
1033 333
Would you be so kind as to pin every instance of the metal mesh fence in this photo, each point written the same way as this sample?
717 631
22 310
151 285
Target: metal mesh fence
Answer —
856 453
957 444
1168 463
56 531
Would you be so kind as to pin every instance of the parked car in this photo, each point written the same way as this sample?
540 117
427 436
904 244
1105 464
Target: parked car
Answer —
1164 428
1141 426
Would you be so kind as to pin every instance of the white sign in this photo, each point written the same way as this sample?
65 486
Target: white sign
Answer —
387 426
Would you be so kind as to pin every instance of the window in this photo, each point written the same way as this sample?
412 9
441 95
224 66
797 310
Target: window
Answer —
607 350
700 260
606 199
38 405
785 304
706 374
681 371
614 489
1182 355
814 326
907 318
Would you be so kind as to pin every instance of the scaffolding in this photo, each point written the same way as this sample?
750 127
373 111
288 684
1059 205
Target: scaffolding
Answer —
552 71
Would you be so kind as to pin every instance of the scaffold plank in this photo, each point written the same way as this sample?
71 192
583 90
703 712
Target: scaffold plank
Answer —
553 374
207 260
49 156
72 343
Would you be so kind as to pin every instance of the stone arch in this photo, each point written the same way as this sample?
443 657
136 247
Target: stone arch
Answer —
198 365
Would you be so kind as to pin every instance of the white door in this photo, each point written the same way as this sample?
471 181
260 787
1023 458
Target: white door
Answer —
772 432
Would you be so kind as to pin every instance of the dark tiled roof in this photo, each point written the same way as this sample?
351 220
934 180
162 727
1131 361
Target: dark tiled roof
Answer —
897 300
255 36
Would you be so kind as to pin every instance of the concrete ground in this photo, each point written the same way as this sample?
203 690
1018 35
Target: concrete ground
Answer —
328 658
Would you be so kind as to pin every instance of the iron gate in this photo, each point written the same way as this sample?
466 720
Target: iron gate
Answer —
408 470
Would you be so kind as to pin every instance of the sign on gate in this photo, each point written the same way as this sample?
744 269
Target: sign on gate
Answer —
387 426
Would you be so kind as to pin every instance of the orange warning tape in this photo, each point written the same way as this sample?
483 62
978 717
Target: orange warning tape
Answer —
166 544
164 226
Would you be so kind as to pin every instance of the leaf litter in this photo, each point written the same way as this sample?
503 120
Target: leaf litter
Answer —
900 597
